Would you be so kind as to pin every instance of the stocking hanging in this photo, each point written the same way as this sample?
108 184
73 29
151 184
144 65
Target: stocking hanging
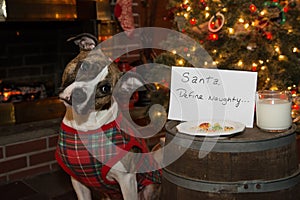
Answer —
123 11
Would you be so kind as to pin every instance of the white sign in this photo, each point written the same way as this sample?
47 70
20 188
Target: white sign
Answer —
198 93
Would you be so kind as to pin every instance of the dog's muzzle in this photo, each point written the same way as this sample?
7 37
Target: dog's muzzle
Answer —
78 96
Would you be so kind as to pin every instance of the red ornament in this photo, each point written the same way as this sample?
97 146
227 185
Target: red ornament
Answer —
213 36
295 107
193 21
217 23
254 68
203 3
269 35
253 8
286 9
185 6
212 25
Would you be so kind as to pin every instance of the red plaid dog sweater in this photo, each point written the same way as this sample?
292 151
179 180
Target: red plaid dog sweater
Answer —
87 156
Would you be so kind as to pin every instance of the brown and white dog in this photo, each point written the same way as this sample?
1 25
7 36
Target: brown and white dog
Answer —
92 148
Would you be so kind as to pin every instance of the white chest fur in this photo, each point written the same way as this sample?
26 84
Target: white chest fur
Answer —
91 121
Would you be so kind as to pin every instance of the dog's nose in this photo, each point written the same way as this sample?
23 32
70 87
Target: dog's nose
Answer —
78 95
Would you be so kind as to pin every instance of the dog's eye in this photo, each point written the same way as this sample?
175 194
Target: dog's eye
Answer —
84 67
86 71
105 89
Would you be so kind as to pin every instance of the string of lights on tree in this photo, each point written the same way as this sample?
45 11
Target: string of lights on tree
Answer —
253 35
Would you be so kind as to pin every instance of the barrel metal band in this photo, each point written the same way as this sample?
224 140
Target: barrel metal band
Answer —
251 186
249 146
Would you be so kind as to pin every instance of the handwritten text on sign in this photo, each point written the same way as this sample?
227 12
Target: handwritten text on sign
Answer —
198 93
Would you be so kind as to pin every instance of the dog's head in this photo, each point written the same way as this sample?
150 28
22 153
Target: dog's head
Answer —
89 81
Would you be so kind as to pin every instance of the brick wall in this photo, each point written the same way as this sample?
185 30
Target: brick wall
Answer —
27 149
31 157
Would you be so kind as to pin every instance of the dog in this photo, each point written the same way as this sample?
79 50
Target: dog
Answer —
97 146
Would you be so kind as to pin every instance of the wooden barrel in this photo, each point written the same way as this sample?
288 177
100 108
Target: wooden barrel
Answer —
250 165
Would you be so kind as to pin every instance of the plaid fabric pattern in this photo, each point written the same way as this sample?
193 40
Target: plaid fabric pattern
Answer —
87 156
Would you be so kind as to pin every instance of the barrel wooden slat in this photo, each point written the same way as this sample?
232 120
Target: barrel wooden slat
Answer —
249 156
179 193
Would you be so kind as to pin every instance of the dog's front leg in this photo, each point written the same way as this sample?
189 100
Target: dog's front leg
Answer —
82 192
127 181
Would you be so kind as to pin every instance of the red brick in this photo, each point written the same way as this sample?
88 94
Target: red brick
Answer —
13 164
25 147
43 157
1 152
29 172
53 141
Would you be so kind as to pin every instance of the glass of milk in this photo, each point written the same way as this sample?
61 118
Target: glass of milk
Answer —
273 110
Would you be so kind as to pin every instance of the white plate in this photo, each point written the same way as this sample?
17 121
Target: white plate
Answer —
192 128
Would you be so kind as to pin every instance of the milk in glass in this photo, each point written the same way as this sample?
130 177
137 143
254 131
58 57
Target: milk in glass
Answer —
273 110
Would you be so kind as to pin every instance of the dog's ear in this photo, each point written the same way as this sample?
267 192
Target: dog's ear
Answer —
85 41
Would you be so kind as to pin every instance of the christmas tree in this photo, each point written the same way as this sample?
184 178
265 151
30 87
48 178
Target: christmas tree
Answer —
255 35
